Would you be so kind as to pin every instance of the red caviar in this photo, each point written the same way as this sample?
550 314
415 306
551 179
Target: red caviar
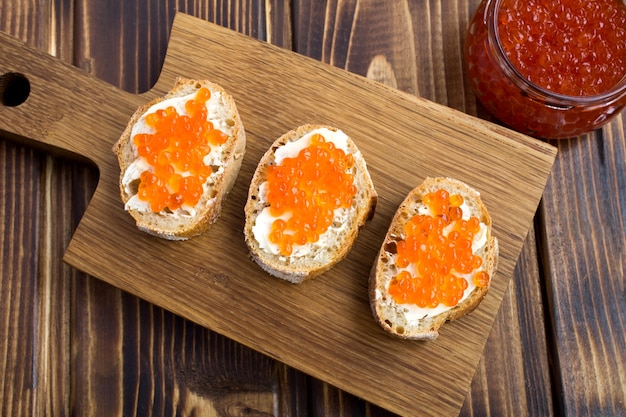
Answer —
571 47
176 151
308 188
440 248
549 68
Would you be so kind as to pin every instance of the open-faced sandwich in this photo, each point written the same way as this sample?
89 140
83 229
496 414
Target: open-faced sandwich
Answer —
310 195
436 262
179 156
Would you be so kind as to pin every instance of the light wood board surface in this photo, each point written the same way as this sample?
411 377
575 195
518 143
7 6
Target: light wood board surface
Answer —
323 327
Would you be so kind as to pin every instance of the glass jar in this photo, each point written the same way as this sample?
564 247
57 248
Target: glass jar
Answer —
521 104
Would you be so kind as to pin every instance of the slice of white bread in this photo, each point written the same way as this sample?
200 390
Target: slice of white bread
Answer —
311 259
225 160
408 321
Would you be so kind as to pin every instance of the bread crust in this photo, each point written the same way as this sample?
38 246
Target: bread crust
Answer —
208 209
287 268
391 316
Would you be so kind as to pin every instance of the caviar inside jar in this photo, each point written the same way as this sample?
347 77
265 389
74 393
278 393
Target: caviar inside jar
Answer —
549 68
570 47
304 191
175 151
435 256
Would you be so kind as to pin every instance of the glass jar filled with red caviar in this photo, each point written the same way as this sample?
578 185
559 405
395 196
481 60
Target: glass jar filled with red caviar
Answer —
549 68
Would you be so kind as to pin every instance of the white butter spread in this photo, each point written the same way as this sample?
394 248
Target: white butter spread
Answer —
215 106
412 312
263 223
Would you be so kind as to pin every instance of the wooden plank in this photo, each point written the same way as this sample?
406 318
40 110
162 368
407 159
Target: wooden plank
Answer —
585 202
19 228
34 334
529 296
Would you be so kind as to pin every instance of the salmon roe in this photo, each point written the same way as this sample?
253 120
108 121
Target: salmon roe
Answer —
305 190
440 249
571 47
175 152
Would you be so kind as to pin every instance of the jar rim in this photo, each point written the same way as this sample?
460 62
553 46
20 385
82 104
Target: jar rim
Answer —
491 18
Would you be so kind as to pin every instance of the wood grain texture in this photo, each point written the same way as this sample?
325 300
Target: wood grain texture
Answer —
588 308
18 259
35 282
98 356
522 387
84 326
113 44
185 288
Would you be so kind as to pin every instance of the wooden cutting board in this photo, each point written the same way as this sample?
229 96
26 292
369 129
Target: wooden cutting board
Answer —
323 327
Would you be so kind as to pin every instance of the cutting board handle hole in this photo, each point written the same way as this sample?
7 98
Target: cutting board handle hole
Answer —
14 89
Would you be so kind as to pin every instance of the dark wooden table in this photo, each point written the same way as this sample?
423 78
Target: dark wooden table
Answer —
73 345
